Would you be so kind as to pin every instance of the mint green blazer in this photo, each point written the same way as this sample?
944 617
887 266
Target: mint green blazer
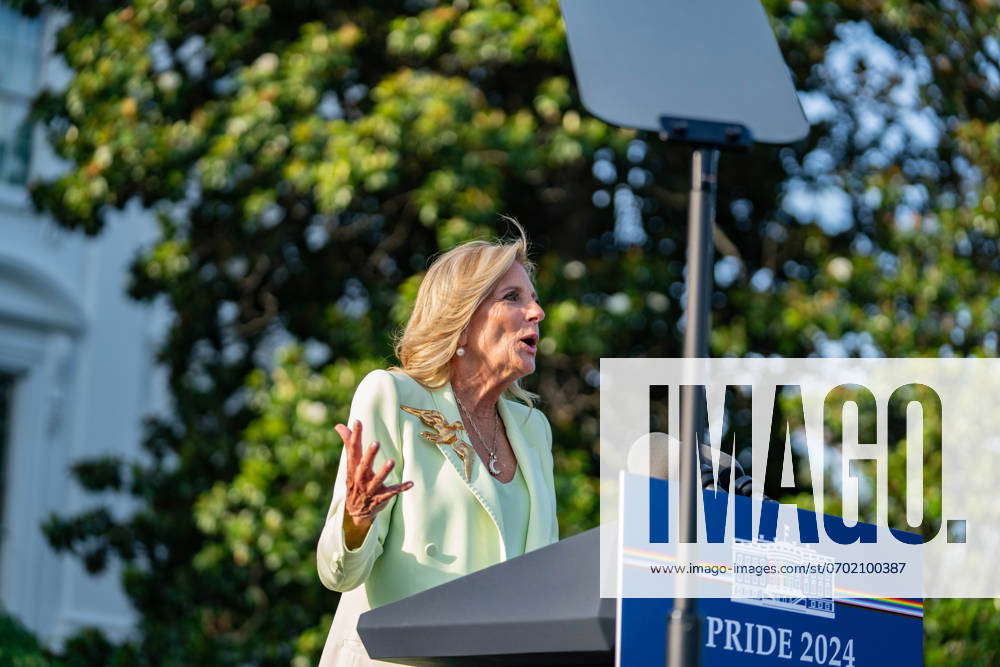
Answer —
445 526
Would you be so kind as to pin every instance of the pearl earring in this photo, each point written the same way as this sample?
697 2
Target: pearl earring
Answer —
460 351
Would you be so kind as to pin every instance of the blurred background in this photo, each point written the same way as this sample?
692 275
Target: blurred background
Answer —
215 213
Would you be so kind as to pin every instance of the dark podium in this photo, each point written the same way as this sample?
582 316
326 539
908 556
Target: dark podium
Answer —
539 609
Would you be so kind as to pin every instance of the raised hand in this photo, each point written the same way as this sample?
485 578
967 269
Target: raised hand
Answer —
367 493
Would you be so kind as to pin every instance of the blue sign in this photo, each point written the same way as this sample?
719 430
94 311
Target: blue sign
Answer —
858 634
767 624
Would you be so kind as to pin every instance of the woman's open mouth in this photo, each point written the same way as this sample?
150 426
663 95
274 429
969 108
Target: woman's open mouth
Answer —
530 342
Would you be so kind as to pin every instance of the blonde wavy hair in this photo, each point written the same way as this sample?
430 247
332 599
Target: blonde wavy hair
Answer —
456 283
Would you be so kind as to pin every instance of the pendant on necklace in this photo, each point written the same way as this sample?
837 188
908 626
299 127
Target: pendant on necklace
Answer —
493 464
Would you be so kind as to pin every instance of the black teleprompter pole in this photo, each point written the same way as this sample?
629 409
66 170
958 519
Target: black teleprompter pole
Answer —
683 626
708 138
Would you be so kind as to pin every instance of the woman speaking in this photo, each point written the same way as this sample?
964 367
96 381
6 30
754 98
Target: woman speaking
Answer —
457 475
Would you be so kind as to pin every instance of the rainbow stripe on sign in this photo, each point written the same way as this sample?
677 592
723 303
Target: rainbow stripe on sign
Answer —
904 606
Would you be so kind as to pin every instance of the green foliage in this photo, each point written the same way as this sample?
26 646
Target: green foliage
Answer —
962 632
263 519
19 648
304 160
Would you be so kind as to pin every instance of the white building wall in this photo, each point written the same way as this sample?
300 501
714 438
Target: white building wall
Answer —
82 354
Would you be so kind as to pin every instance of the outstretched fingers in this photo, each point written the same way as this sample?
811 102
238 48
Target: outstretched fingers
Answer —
369 458
345 435
355 443
352 442
367 493
390 491
377 480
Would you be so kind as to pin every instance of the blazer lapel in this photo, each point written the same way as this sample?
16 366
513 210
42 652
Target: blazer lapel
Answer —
481 483
531 468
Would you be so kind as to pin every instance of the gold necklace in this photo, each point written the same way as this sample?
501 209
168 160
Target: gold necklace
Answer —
492 451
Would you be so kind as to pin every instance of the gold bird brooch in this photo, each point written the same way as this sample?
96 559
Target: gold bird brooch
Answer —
445 434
